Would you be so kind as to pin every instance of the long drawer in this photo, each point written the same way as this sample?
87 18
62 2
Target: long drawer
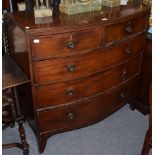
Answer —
66 43
74 67
49 95
122 30
66 117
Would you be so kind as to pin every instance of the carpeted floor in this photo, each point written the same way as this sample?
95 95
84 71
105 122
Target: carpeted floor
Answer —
120 134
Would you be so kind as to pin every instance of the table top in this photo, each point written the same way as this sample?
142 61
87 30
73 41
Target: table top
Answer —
12 75
62 22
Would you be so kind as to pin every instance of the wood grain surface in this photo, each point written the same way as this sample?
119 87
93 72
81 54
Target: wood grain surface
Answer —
83 67
12 75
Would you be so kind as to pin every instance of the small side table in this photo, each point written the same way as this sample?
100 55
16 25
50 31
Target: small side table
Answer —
12 77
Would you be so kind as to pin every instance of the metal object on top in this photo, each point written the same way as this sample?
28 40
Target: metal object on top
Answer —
42 9
79 6
111 3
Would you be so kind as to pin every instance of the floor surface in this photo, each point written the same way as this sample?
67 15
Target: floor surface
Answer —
120 134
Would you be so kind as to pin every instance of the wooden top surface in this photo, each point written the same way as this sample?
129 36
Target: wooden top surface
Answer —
12 75
62 22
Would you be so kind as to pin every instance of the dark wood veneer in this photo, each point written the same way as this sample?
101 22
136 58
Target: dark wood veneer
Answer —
82 68
85 64
74 114
82 88
119 31
57 45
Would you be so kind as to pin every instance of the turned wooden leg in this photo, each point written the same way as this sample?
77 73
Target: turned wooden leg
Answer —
15 115
19 120
42 140
23 137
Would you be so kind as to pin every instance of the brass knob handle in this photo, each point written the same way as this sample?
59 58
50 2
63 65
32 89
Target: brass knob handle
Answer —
122 95
70 92
71 68
128 50
123 77
129 28
70 116
111 43
70 44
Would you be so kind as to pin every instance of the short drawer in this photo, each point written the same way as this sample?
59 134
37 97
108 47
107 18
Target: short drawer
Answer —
71 68
122 30
66 43
47 96
98 107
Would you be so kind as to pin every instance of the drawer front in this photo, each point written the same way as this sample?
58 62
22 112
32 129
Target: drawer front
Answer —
66 43
47 96
72 116
74 67
119 31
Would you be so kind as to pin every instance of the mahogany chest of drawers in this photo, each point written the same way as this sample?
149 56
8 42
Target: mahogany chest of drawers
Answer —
82 67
